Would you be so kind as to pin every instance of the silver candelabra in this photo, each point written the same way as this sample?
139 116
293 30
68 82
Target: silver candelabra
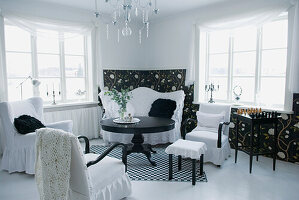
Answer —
53 94
211 88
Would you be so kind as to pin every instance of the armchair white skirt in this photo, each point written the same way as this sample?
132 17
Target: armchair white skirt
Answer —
19 150
214 154
140 105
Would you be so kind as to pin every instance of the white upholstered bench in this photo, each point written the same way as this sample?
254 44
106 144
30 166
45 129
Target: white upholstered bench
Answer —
187 149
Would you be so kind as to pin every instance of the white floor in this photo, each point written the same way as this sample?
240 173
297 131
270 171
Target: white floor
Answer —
230 182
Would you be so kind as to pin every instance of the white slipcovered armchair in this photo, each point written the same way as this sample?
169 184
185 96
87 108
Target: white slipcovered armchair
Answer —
213 129
63 172
19 150
140 105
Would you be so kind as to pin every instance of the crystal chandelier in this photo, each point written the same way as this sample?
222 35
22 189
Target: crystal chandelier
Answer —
121 15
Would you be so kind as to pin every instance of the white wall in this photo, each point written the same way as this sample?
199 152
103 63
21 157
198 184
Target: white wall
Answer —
125 54
169 44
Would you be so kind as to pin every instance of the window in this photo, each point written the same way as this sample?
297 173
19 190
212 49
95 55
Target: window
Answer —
253 58
58 64
18 61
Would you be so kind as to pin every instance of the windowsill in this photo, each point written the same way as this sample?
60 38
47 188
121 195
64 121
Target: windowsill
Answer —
264 108
69 106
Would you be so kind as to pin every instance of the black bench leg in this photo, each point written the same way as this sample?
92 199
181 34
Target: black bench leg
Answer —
201 164
193 171
170 167
179 163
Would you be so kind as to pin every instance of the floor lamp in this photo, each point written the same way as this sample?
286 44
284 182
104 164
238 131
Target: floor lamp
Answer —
34 82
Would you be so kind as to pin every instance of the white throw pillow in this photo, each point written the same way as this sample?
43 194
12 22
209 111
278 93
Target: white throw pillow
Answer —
209 120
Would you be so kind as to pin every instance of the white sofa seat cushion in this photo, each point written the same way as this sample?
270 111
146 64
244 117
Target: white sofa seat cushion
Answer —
209 138
187 149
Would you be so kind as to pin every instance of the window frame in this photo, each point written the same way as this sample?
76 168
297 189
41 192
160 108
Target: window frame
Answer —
62 76
258 67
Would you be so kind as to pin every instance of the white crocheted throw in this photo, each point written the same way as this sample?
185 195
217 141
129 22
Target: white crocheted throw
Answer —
52 166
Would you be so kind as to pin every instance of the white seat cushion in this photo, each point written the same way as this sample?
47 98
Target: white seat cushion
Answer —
104 172
186 148
25 140
209 138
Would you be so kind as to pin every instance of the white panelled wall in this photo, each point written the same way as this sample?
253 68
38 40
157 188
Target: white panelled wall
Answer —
85 118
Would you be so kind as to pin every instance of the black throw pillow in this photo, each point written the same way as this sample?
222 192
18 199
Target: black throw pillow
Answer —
162 108
27 124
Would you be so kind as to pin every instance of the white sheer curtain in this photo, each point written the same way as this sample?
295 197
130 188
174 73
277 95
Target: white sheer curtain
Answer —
191 72
3 82
40 26
251 13
293 85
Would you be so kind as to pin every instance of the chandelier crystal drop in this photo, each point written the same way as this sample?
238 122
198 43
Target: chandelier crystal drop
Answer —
123 12
127 31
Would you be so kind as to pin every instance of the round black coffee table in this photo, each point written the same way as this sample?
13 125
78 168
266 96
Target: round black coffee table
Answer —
146 125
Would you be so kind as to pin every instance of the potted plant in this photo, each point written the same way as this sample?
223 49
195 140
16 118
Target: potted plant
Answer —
121 98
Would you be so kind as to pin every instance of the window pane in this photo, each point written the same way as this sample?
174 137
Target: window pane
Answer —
14 93
74 45
219 42
17 39
247 85
48 65
46 87
244 63
222 93
18 64
245 39
73 88
272 91
49 43
218 64
275 34
74 66
274 62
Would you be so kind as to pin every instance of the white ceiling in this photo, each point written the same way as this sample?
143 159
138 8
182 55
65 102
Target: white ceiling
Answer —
167 7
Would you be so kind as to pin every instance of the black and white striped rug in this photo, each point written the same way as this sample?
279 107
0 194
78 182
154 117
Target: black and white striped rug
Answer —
139 168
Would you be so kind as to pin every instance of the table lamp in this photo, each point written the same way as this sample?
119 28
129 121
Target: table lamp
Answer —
34 82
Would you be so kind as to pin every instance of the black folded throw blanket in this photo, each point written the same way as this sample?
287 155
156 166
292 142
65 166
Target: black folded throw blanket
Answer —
162 108
27 124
